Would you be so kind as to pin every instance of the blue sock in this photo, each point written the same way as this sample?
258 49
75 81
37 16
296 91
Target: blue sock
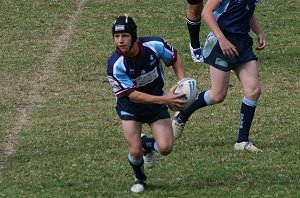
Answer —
138 168
149 144
202 100
247 113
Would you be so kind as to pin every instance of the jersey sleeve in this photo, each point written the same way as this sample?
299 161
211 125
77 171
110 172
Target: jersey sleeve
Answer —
121 84
169 54
163 50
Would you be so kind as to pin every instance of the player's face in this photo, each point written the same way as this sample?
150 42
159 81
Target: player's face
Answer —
123 41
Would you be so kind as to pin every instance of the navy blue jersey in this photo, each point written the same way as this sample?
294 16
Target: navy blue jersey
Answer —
144 73
234 15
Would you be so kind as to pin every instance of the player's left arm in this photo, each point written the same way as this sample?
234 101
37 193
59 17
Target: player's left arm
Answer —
170 57
178 68
255 27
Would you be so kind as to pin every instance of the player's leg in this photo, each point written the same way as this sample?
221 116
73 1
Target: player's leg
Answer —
217 93
149 148
193 21
219 85
149 144
132 134
249 77
163 134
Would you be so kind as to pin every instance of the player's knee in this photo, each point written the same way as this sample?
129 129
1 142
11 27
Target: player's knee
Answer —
136 153
166 149
257 92
254 93
217 98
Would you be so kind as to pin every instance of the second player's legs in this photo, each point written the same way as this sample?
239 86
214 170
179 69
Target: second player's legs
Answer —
193 21
249 77
219 85
194 11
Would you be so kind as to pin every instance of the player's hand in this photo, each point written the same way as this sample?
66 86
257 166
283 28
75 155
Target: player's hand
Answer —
261 42
174 101
228 48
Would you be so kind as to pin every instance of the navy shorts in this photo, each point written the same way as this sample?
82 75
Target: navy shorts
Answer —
213 54
146 116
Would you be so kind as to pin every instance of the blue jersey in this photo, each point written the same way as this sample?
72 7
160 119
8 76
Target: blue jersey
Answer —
234 15
144 73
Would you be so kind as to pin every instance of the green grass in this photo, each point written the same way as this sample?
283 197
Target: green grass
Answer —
72 143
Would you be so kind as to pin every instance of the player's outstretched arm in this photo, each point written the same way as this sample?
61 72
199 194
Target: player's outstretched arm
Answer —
255 27
178 68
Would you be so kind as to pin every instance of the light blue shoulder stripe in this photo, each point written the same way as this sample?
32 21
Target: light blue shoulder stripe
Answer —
160 50
221 9
119 72
155 46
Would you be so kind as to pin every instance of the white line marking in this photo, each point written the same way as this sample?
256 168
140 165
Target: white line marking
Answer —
41 75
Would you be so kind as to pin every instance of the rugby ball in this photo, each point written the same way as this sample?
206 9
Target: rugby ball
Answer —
189 87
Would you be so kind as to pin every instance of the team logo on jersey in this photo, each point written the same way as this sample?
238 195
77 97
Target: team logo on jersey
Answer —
131 71
146 78
152 60
151 57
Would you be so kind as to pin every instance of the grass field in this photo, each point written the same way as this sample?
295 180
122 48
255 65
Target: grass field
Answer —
60 135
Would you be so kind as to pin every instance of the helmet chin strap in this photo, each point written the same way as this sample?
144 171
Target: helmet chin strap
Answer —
132 43
133 50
